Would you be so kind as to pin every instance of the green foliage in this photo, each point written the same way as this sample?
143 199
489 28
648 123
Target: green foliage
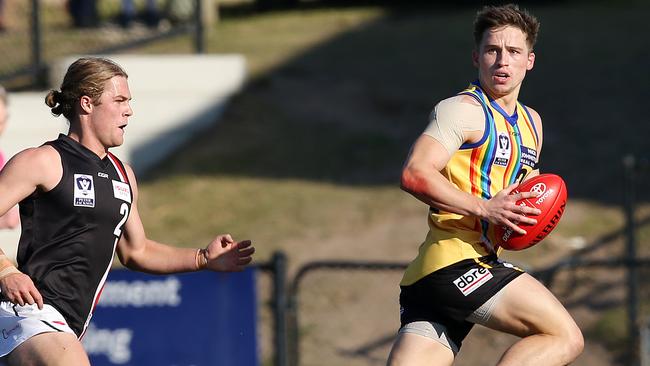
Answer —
611 331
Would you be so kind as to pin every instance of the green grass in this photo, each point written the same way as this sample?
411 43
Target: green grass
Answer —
190 210
309 153
611 330
337 96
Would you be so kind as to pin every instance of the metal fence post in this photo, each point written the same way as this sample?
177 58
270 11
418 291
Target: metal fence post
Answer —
644 350
199 32
292 320
280 307
629 163
37 55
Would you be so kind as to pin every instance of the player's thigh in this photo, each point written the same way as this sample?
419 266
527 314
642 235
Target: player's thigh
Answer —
415 350
527 307
49 349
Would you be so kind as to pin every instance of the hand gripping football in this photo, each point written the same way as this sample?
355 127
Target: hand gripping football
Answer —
551 200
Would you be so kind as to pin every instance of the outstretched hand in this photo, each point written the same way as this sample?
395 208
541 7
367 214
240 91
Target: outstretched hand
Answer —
19 289
502 209
226 255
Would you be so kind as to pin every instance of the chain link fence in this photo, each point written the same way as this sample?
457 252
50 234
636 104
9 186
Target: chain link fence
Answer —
344 313
347 313
36 32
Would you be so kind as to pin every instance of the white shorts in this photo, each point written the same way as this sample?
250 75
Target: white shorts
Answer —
20 323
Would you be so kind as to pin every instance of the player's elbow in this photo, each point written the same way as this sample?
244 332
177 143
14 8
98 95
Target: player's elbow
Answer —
412 180
127 257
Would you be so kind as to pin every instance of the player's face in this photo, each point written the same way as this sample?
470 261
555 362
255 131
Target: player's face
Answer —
111 114
502 59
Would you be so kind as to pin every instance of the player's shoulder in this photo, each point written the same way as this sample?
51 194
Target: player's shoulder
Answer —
458 107
460 100
537 119
38 156
40 166
534 113
130 173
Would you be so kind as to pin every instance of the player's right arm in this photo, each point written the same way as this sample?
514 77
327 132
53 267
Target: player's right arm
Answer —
30 170
429 155
11 219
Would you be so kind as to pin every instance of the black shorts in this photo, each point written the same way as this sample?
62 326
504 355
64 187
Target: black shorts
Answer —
451 294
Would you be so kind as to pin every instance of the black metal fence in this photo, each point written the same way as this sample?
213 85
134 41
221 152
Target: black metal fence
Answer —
297 341
36 32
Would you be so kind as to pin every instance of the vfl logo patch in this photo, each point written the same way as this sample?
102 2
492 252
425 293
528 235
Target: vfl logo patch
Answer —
84 190
503 149
472 279
121 191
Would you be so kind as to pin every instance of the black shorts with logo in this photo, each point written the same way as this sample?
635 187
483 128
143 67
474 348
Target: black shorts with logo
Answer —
449 295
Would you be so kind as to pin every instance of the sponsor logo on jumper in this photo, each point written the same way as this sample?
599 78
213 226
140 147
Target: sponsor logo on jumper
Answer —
7 332
121 191
140 294
84 190
504 148
528 156
472 279
115 344
102 174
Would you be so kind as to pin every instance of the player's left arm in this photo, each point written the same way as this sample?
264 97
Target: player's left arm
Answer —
139 253
537 121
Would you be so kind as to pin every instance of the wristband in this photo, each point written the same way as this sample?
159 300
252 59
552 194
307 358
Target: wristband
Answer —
201 259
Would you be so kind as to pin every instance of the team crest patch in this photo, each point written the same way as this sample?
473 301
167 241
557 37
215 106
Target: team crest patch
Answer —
84 190
121 191
504 148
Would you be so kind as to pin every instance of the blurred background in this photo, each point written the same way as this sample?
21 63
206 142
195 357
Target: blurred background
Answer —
305 157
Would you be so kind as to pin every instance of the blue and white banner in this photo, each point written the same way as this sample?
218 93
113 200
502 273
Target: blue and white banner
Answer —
194 319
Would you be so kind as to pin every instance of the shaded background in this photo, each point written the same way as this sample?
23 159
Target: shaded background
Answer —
306 159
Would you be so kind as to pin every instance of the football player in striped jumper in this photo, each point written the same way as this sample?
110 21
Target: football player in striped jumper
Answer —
479 144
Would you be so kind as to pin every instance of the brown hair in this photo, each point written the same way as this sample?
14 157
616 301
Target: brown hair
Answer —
500 16
86 76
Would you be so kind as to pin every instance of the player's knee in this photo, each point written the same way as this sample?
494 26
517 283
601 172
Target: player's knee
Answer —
572 343
576 344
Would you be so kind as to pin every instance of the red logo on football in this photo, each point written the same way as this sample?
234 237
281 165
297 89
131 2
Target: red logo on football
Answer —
550 198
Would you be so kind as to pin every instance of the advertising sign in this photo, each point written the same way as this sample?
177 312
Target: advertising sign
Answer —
194 319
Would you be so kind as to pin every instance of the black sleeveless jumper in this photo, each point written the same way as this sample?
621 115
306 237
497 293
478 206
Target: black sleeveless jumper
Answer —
69 234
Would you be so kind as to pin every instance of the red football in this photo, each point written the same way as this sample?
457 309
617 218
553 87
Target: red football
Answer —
551 200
